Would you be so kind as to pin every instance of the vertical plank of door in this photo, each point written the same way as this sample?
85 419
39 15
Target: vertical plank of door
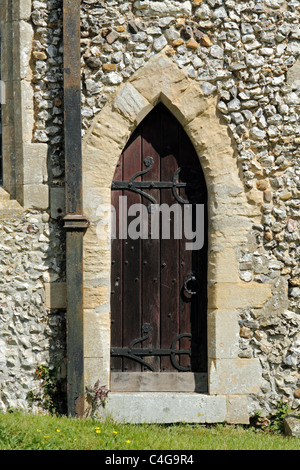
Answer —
187 157
169 247
197 262
151 145
116 275
132 257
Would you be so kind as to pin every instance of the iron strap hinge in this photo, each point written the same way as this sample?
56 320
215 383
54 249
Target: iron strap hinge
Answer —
136 353
140 186
146 185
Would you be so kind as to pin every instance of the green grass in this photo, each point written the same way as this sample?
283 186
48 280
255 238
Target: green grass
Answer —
20 431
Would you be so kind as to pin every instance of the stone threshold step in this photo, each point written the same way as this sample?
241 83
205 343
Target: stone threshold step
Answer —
164 407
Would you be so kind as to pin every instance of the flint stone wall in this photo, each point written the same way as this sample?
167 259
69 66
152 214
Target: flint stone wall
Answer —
247 56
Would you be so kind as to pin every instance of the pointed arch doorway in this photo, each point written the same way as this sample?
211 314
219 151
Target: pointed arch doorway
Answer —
159 262
231 215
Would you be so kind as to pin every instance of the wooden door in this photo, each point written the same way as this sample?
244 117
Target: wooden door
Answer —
158 286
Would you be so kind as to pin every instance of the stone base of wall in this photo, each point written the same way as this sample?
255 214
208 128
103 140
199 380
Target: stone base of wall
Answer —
166 407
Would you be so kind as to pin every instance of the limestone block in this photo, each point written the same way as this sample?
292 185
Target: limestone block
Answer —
223 265
229 295
160 75
223 192
237 409
36 196
231 222
291 425
215 411
26 95
55 295
97 332
188 104
93 243
223 334
103 147
23 33
100 234
162 407
94 296
9 208
35 163
96 368
231 207
99 170
96 259
4 196
23 114
113 126
211 141
131 104
206 126
150 407
97 204
234 376
21 10
224 235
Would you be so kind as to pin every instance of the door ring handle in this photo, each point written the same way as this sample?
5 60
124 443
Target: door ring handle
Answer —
194 287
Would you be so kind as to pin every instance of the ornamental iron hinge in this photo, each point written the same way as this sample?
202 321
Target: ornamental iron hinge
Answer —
137 354
140 186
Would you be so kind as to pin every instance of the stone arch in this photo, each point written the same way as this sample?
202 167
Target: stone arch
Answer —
231 217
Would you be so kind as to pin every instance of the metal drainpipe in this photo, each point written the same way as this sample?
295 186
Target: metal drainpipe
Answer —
74 222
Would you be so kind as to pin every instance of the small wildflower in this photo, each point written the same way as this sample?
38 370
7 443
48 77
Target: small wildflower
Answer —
57 430
98 431
39 430
115 432
128 442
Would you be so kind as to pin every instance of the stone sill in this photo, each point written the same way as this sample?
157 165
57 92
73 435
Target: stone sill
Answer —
9 207
173 407
164 407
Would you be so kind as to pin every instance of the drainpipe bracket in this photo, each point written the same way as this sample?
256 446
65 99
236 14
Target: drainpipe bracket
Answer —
76 221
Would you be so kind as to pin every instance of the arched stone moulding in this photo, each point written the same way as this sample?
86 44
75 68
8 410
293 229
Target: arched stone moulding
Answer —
231 217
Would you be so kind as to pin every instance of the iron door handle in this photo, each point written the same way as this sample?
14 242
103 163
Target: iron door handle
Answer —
191 284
